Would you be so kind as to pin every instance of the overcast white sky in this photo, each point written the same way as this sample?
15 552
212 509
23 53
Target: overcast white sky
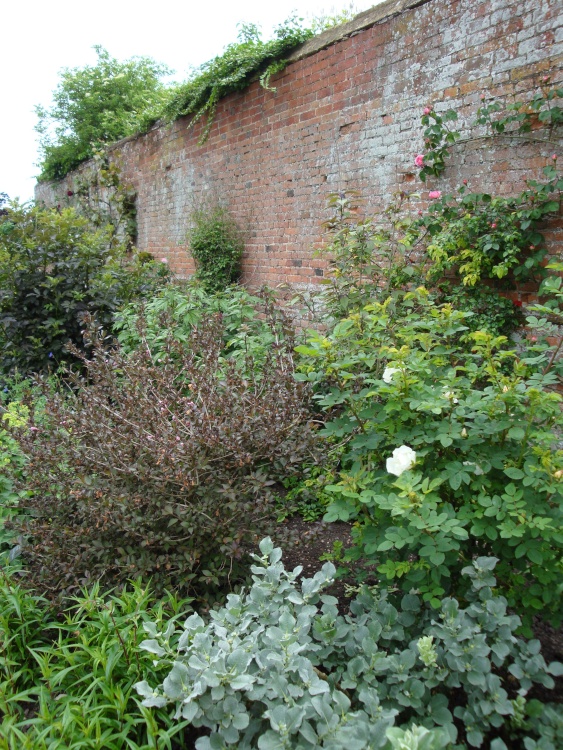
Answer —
39 38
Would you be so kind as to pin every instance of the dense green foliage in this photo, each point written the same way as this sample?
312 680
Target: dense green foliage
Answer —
177 309
216 244
165 456
66 681
54 268
484 477
97 105
279 667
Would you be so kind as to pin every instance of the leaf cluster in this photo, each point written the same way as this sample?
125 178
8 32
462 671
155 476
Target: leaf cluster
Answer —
66 680
279 667
54 268
97 105
518 120
177 308
483 237
241 63
368 257
216 244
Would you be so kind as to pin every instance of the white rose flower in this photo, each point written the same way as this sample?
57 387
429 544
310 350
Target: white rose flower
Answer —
477 470
403 459
388 373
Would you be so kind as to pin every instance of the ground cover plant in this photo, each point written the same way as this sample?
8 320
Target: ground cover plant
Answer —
279 667
66 679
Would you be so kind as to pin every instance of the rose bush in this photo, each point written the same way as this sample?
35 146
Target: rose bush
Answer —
479 421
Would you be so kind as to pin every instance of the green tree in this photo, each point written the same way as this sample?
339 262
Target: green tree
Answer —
96 105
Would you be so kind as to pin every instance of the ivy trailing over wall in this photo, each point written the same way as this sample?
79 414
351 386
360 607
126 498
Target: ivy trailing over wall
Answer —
240 63
97 105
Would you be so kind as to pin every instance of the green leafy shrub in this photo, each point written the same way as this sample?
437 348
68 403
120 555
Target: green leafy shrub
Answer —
483 237
160 470
278 667
96 105
368 257
216 245
448 453
66 680
54 269
12 461
177 309
489 310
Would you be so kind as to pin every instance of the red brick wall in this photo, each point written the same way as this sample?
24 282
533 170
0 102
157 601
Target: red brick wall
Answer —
346 116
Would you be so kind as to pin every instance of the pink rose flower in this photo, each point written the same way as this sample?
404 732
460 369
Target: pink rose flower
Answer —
493 225
435 194
554 157
419 160
164 260
427 110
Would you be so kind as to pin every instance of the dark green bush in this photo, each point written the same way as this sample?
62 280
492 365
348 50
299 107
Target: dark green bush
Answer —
53 269
161 470
216 244
489 310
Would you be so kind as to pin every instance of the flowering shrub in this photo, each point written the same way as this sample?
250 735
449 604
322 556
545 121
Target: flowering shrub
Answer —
483 236
448 453
160 470
278 667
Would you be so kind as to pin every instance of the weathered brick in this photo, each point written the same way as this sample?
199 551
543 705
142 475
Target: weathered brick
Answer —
346 116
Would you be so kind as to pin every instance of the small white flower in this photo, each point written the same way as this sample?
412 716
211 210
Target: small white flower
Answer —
464 433
451 396
388 373
477 469
403 459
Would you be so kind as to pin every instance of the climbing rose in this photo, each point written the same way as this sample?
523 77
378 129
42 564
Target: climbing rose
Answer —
403 459
388 373
419 160
435 194
427 110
